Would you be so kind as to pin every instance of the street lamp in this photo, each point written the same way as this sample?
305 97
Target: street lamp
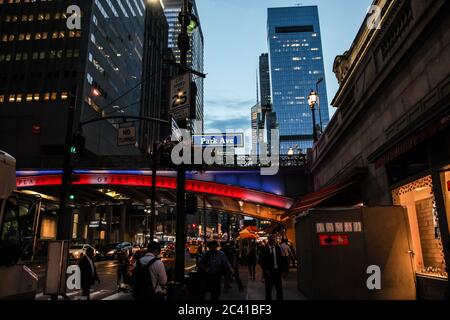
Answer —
290 152
312 100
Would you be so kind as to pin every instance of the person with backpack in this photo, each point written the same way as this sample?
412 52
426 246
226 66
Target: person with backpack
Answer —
149 275
213 264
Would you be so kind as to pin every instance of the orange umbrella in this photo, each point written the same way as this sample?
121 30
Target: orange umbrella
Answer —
247 235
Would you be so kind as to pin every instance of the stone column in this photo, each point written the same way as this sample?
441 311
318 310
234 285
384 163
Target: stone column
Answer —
92 232
82 221
123 222
108 217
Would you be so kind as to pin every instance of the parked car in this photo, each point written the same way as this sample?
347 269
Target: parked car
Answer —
125 246
76 251
108 251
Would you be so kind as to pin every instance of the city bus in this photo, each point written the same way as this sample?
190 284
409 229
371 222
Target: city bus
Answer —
16 280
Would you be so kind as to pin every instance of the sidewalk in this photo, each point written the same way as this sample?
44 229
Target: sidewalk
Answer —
255 289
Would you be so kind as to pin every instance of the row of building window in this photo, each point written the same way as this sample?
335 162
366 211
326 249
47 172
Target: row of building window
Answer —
53 54
36 17
23 1
34 97
40 36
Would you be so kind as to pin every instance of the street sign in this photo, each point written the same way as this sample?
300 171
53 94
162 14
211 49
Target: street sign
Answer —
180 92
334 240
235 140
126 136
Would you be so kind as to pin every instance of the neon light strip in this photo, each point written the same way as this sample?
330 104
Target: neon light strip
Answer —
162 182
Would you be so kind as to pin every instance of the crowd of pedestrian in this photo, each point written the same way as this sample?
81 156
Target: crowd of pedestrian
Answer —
217 267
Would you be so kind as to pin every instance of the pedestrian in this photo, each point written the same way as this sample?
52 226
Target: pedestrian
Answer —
149 275
271 262
213 265
199 254
294 255
232 253
287 254
88 273
122 269
252 259
227 249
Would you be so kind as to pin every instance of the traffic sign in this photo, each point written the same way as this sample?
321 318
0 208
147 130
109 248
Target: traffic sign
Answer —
126 136
219 140
334 240
180 92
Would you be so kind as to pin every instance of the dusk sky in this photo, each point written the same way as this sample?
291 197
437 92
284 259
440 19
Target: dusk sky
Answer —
235 35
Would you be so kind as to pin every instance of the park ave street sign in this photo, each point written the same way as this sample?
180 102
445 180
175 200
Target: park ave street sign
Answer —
180 92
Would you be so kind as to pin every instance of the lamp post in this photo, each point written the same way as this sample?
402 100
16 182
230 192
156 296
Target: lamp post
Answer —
312 100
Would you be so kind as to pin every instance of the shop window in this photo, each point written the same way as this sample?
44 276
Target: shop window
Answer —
75 226
418 198
48 229
445 179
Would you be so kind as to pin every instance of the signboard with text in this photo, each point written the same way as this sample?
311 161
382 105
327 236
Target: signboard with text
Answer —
334 240
180 93
126 136
234 140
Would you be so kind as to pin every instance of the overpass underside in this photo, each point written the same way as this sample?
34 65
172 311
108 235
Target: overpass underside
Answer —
89 190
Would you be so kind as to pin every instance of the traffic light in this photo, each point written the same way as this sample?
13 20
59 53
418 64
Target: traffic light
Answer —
78 144
191 203
192 20
71 197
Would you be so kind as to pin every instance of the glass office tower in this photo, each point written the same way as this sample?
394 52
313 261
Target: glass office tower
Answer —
296 65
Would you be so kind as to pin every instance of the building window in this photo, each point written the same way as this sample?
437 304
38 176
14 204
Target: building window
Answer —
64 95
29 97
19 98
54 95
2 98
47 96
75 226
36 97
418 199
12 98
48 228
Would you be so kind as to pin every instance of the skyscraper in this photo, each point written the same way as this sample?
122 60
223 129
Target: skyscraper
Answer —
296 65
264 79
41 59
154 88
172 8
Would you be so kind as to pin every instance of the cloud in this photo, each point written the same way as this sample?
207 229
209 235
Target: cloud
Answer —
228 113
241 123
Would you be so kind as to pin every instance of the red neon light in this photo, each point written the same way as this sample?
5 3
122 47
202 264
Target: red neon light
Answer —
162 182
334 240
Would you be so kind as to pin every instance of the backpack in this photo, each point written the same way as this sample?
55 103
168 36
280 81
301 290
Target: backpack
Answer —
143 288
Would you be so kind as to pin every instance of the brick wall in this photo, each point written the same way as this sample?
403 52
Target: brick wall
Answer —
431 247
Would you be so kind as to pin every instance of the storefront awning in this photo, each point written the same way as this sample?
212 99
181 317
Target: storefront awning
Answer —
314 199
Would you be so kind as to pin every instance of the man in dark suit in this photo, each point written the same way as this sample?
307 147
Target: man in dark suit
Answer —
88 273
271 261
